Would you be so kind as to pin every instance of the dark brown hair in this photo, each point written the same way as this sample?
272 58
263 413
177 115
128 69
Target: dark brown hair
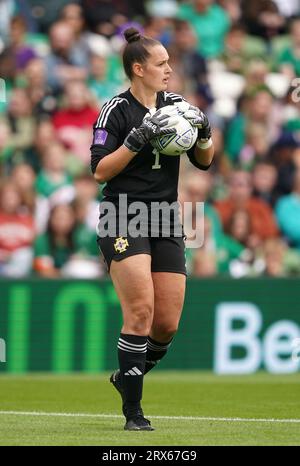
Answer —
136 50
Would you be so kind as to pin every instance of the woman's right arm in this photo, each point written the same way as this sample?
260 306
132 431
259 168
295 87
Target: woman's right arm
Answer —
113 164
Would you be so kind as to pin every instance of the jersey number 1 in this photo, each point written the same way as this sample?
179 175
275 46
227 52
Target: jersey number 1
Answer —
156 163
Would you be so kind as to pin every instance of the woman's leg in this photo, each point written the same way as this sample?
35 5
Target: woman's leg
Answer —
133 283
169 291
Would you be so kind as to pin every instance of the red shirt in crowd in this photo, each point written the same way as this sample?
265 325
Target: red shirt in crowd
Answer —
262 218
85 117
16 231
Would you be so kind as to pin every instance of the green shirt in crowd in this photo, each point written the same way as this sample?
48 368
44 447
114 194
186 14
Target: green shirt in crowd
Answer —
210 28
287 57
84 244
45 186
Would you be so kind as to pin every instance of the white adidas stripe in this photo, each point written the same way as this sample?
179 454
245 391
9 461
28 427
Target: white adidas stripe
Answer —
134 371
101 112
106 109
109 111
173 96
133 345
123 347
157 348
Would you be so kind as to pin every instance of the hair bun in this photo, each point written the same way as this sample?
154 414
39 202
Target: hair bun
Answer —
132 35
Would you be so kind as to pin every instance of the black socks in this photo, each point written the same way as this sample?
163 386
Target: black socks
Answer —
137 356
155 352
132 358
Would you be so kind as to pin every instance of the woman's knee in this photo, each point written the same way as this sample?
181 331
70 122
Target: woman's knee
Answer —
138 318
164 332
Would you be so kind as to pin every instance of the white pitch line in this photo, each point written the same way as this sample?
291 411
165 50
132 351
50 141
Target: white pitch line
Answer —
179 418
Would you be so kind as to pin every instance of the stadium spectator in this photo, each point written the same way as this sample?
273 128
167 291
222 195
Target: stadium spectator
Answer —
198 188
289 60
23 177
263 18
5 149
73 122
240 196
239 227
217 251
17 48
233 9
264 182
184 57
258 107
86 192
44 136
278 259
53 175
282 155
63 63
45 13
16 233
100 83
287 212
240 48
72 14
40 94
256 146
273 253
67 248
210 23
204 264
21 122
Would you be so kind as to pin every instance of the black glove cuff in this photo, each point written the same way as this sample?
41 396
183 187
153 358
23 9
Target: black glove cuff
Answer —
204 133
132 144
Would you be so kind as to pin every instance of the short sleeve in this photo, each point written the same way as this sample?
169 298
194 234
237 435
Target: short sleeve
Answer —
106 131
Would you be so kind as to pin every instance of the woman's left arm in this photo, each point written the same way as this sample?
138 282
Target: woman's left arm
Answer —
203 152
204 155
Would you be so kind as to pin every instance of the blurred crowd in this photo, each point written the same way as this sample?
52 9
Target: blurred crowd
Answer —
238 60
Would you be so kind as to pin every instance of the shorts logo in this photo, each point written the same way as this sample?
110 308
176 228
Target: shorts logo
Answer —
121 244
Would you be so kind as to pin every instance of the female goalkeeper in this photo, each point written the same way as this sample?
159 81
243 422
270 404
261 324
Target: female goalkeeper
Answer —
147 269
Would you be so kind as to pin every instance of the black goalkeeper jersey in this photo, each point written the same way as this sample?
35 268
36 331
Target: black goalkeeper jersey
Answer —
150 175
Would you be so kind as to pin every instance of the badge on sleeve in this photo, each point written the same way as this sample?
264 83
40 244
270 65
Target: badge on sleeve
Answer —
100 136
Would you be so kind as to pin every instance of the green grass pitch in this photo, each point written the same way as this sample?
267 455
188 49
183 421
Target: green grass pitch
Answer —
186 408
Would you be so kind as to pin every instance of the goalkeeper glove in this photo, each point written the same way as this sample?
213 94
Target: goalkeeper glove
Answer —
196 118
152 127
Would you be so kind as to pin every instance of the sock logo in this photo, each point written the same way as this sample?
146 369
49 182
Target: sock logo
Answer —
133 371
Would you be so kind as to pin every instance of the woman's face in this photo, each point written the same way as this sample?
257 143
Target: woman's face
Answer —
10 200
240 226
62 219
156 71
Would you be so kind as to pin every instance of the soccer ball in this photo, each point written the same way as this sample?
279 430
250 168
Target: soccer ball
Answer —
179 142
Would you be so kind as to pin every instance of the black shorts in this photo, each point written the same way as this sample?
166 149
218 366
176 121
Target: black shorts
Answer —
167 254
